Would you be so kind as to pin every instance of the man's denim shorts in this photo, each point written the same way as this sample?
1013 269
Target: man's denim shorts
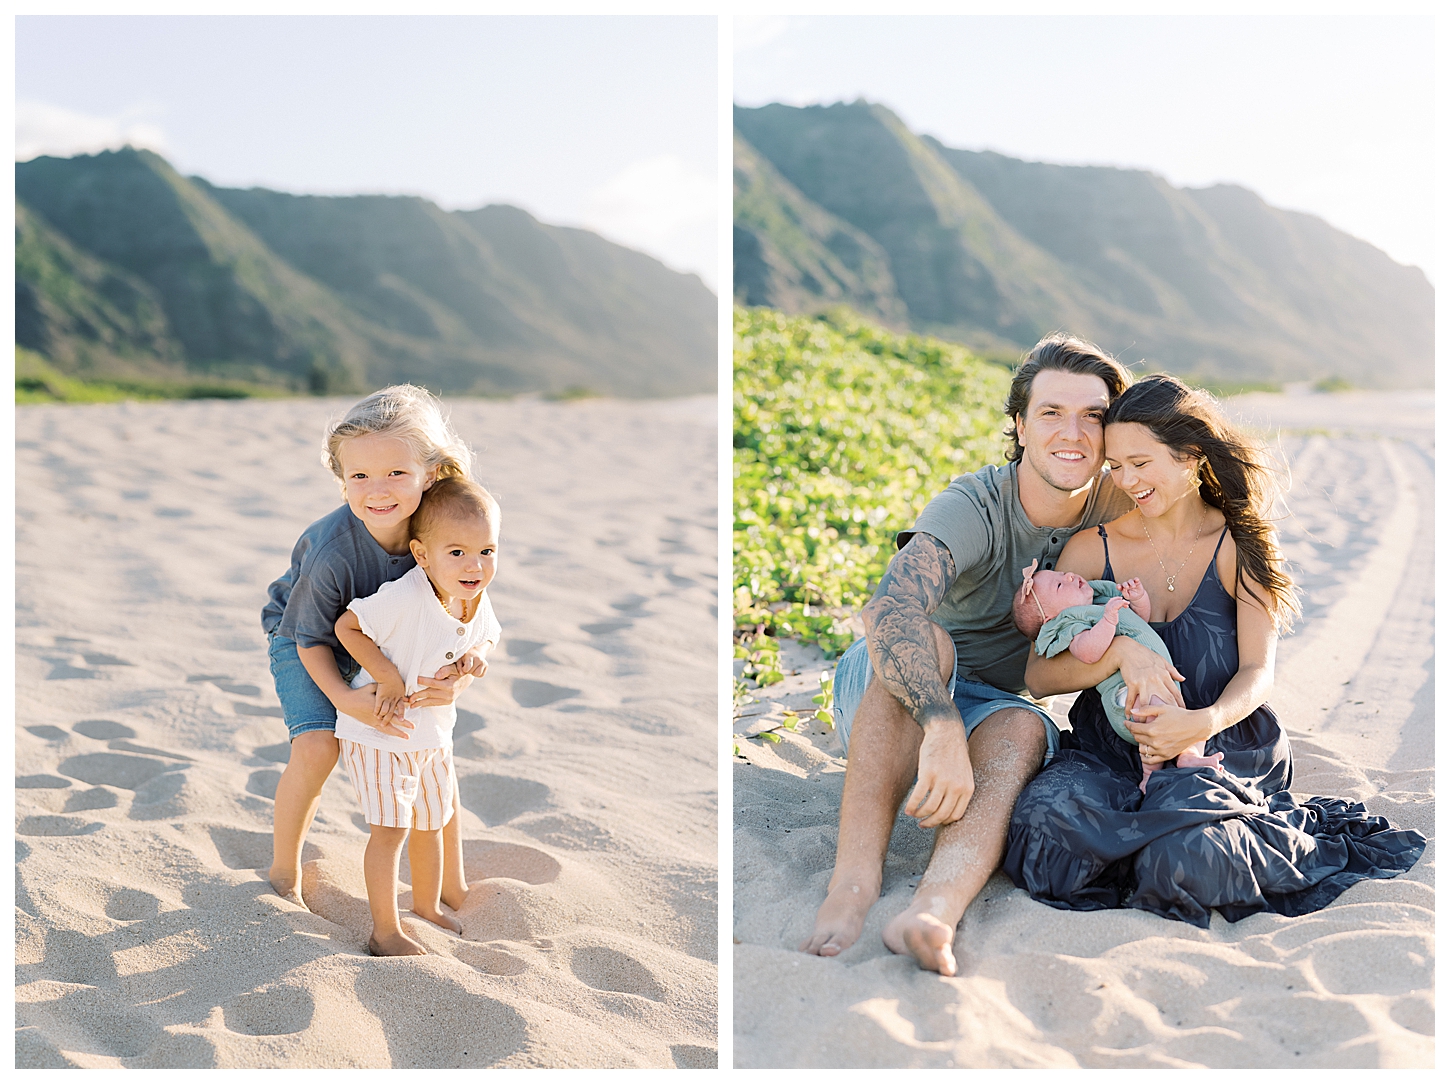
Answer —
974 699
304 706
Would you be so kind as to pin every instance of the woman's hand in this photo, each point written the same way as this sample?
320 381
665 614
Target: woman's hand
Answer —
1146 673
1165 730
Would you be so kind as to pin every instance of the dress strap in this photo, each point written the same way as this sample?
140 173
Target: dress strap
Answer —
1221 535
1107 557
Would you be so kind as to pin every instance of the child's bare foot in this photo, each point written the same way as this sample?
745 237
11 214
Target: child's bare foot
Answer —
286 883
454 897
839 920
439 918
918 933
395 944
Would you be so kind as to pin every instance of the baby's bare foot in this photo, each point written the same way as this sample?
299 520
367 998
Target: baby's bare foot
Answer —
919 933
395 944
839 920
439 918
285 883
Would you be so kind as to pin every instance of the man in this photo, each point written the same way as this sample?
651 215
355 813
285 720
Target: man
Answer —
934 691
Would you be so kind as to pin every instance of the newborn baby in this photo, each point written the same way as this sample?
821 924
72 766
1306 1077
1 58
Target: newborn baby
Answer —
1062 611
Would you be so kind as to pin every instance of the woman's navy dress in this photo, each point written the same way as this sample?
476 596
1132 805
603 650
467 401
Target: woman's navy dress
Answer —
1084 837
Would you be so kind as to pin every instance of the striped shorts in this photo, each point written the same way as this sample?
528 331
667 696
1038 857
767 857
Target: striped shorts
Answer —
401 790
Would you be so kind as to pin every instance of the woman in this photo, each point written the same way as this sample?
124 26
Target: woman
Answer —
1082 835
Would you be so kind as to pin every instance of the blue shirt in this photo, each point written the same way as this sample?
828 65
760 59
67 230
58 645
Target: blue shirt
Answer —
335 561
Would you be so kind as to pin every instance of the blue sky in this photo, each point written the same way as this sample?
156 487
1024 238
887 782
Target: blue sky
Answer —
607 122
1323 113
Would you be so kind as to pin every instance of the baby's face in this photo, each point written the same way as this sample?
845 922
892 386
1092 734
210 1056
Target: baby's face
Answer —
460 554
1059 590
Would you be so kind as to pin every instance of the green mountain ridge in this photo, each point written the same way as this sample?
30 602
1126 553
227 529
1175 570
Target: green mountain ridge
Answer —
345 293
993 252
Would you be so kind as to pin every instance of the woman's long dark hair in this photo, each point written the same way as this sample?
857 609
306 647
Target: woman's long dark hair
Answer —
1236 478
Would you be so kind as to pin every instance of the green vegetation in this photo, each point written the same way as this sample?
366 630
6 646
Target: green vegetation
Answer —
843 432
36 381
1333 383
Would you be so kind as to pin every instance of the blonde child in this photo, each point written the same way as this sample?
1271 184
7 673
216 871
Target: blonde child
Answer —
405 783
386 452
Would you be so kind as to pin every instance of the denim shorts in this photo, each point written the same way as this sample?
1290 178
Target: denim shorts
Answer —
974 699
304 706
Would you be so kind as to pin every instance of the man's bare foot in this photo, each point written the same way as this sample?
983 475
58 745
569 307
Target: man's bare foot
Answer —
919 933
396 944
285 884
839 920
439 918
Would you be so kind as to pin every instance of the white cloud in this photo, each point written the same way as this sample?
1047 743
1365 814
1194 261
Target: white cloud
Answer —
757 31
663 206
41 128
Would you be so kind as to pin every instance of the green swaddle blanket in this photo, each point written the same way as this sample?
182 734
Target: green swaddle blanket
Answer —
1057 635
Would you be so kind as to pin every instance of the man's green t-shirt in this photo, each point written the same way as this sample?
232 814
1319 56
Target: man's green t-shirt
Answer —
979 517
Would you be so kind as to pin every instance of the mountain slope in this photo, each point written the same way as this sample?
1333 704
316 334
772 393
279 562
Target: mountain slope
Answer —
988 250
345 293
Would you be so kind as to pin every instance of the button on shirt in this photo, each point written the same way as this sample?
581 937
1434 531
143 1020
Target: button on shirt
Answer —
418 636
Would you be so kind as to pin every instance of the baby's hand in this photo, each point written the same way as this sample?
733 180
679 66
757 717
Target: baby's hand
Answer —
1111 608
1132 589
389 692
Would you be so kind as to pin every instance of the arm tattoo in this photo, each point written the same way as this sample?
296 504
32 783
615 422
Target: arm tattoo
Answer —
899 636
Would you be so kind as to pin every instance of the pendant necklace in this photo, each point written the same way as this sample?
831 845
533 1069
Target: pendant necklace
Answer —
1171 579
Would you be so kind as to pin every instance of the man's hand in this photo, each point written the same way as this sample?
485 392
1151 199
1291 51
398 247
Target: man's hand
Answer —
1146 673
359 704
944 783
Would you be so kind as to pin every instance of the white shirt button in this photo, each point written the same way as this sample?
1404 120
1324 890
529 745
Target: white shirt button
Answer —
449 655
461 630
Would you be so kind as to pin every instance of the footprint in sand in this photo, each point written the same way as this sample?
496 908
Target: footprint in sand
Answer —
690 1056
614 972
490 961
277 754
132 905
629 603
40 782
91 1018
97 659
272 1010
95 798
484 859
468 722
604 628
49 733
61 670
536 694
114 769
271 710
52 825
264 783
103 729
517 649
237 689
498 799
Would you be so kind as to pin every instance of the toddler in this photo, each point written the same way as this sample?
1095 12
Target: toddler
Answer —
428 618
1069 613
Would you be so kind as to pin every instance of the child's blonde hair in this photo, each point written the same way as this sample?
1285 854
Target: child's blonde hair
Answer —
409 414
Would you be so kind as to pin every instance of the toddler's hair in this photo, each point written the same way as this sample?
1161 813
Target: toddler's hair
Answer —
409 414
454 497
1026 614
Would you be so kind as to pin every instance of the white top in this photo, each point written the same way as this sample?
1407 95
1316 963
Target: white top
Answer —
418 636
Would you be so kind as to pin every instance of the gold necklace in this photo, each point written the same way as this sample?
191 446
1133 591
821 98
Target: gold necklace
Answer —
1171 579
439 596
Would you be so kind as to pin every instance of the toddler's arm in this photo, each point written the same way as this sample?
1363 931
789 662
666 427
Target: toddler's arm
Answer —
1090 646
390 688
1137 596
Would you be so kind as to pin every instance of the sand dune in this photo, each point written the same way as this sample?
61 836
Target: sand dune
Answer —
1349 986
149 744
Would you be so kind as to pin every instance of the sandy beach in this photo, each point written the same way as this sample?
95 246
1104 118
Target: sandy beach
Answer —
1349 986
149 743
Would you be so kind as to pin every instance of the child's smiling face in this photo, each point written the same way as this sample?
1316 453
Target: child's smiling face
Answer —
383 480
460 554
